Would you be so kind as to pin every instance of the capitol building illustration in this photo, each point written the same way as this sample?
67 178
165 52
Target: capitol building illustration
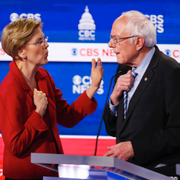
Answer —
86 26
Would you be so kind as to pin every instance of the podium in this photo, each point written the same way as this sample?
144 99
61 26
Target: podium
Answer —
178 169
99 167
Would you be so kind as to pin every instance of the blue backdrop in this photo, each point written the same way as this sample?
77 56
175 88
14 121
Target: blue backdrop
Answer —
61 19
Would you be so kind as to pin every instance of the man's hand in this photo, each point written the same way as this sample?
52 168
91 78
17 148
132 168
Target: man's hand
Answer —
123 151
123 83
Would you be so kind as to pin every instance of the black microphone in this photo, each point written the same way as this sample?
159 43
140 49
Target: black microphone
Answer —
120 72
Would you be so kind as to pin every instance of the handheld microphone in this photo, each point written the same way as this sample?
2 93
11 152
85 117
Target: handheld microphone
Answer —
104 110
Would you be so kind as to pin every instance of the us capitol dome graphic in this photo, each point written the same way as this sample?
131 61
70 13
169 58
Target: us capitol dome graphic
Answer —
86 26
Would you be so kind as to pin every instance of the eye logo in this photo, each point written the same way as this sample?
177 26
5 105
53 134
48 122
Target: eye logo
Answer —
77 80
168 52
74 51
14 17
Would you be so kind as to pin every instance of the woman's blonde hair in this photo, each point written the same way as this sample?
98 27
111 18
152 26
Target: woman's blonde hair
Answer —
16 34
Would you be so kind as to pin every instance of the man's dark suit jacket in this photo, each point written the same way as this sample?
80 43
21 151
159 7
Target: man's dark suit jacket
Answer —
153 117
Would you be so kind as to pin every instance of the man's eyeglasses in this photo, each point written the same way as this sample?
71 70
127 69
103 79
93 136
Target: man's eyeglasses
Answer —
40 42
116 40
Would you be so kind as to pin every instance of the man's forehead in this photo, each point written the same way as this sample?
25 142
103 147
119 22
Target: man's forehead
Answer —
119 27
121 20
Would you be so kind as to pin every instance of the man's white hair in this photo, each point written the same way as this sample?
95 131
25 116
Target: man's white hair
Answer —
138 24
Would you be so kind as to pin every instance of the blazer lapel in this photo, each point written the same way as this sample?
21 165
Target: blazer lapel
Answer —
140 90
146 79
42 84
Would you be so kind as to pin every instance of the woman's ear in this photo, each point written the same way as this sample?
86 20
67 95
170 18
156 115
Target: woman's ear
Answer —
22 53
140 42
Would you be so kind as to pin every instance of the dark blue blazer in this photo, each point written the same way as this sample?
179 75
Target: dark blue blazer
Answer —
153 117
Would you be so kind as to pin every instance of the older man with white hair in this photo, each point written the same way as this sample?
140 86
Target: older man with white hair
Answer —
143 112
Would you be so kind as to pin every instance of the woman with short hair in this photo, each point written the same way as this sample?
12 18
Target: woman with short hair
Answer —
31 105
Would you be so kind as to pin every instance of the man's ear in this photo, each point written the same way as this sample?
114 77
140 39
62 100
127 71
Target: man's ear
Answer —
22 53
140 42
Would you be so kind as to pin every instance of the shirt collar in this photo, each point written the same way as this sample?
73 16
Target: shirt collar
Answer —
145 62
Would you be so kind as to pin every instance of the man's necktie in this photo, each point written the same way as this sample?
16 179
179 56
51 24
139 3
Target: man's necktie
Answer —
134 74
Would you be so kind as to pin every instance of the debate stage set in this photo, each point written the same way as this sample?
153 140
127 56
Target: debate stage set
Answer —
79 31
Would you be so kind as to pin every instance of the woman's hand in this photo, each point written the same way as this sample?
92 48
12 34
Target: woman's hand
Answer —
40 101
96 77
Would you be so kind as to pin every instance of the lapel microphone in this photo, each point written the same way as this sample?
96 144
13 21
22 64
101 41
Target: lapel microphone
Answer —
119 73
